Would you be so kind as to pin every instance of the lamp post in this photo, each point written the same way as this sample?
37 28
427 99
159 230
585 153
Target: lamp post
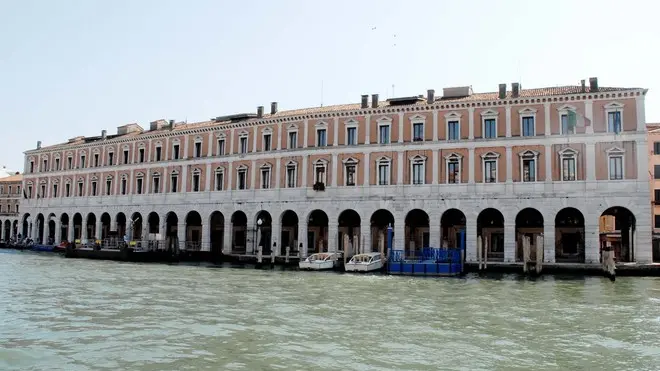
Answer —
258 241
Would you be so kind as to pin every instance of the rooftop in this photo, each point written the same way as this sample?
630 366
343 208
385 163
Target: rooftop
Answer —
136 130
12 178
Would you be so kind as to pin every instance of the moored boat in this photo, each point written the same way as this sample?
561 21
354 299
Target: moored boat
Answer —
367 262
321 261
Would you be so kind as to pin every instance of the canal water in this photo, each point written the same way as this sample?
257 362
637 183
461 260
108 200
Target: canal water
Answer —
64 314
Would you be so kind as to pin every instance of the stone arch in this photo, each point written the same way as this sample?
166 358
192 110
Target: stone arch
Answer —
452 222
193 231
569 236
91 227
135 226
217 229
106 226
317 231
239 232
617 227
25 225
289 232
263 227
349 223
64 227
153 223
40 228
380 220
52 232
121 224
490 227
416 231
77 226
529 223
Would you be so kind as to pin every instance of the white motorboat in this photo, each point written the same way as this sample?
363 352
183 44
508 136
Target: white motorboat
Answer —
320 261
368 262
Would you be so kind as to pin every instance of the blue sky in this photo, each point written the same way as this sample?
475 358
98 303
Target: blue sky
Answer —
71 68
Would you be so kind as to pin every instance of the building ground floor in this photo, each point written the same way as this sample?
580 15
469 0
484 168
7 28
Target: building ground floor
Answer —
8 227
574 229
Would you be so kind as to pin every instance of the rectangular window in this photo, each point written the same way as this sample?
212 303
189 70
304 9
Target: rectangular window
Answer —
45 165
57 164
529 169
418 132
320 174
219 180
80 189
293 139
267 142
69 161
175 152
221 147
528 126
96 160
243 144
108 187
139 186
242 179
566 127
125 157
350 174
32 166
656 194
159 151
198 149
656 148
67 190
55 190
418 172
568 168
657 221
656 171
124 184
321 140
351 136
614 122
490 171
453 171
195 182
490 128
111 157
29 191
43 191
384 134
93 188
82 161
156 184
265 178
383 174
174 181
616 167
453 130
141 155
291 176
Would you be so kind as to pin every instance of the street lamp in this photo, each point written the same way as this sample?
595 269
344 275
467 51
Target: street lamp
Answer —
258 239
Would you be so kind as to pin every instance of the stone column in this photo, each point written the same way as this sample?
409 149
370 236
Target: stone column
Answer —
509 242
470 239
398 242
71 230
113 223
302 238
206 237
227 235
181 235
99 228
591 242
83 227
365 239
333 232
642 240
2 233
58 232
275 234
434 233
549 242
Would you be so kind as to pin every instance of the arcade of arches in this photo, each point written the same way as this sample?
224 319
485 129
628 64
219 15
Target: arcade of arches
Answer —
240 233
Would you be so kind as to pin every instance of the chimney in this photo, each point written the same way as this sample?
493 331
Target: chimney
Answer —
38 144
502 94
593 83
515 89
103 134
273 108
171 124
260 111
374 100
365 101
584 86
430 96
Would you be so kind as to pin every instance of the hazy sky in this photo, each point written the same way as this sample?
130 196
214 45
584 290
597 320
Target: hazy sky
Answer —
71 68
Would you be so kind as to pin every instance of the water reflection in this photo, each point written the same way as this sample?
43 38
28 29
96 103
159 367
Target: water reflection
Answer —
60 314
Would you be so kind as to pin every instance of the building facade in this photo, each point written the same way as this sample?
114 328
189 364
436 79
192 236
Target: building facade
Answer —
500 165
10 197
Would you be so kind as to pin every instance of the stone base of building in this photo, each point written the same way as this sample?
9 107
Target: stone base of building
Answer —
573 269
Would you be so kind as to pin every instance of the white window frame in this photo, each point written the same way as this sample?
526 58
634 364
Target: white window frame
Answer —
535 156
488 115
141 150
45 162
126 148
69 161
96 156
108 192
219 171
57 162
159 145
31 165
123 185
81 187
350 162
385 161
451 117
265 133
139 190
110 157
55 187
414 120
417 160
243 137
351 124
567 153
384 121
292 129
174 174
322 125
524 113
487 157
448 159
43 189
242 169
564 110
616 152
67 184
218 147
268 170
153 189
82 157
610 108
196 173
294 165
198 140
321 163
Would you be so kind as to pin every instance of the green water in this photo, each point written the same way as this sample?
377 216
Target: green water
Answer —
63 314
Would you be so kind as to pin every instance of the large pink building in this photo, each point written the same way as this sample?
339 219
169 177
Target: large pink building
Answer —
499 165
